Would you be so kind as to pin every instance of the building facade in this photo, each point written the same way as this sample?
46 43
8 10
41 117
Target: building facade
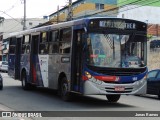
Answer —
146 11
85 8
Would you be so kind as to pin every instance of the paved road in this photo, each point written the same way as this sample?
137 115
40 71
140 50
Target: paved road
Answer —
14 98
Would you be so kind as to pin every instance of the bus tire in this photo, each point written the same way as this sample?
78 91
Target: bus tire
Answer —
25 85
159 95
113 98
1 86
65 95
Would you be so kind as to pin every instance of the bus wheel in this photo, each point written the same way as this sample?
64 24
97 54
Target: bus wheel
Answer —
25 85
65 95
1 85
113 98
159 95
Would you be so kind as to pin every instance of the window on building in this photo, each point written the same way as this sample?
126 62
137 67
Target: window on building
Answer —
122 15
99 6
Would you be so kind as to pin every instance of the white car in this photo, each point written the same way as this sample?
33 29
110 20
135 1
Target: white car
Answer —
4 66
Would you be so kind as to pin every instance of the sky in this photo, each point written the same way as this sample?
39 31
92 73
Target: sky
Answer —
34 8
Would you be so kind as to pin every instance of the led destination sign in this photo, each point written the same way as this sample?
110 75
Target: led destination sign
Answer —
118 24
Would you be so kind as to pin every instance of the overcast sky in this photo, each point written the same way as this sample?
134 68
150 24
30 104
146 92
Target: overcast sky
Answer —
34 8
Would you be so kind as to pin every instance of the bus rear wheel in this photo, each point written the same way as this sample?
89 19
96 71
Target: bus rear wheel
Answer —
113 98
25 85
65 95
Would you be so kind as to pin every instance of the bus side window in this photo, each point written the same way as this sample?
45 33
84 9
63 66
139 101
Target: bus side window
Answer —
12 50
65 40
27 49
53 48
23 49
54 42
43 46
25 45
54 36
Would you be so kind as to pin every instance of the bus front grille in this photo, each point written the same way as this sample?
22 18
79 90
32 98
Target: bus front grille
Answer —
112 90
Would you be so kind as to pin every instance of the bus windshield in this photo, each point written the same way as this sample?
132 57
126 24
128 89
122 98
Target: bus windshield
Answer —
116 50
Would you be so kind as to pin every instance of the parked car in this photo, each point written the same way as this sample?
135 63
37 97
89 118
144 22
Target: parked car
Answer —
153 82
1 82
4 66
155 44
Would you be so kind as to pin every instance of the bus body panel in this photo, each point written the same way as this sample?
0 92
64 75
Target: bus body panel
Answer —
11 65
43 73
25 65
56 67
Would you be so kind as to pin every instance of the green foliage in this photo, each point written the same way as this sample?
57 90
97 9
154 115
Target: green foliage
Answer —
139 2
149 37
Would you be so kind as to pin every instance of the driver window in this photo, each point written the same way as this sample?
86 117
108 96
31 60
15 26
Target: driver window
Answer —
158 76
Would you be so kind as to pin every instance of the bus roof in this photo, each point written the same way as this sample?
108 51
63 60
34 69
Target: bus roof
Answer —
65 24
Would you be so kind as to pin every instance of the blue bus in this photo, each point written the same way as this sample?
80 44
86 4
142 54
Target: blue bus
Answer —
89 56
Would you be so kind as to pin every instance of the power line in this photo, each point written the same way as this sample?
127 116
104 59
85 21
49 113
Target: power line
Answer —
10 16
12 7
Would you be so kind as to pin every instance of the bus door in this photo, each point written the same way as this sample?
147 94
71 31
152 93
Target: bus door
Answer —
77 57
17 59
34 58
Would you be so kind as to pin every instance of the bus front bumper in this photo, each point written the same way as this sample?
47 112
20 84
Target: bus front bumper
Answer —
96 87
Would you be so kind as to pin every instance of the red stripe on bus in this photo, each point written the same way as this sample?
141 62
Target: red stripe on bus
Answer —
106 78
84 78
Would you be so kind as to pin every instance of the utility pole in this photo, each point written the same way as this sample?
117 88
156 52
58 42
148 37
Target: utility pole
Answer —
70 12
58 14
24 24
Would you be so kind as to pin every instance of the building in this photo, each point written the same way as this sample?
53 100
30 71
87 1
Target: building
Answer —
14 25
146 11
154 30
85 8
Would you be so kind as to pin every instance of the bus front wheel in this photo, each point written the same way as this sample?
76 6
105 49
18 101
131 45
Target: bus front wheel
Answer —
113 98
159 95
65 95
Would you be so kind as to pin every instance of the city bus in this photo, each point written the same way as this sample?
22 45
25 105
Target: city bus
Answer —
89 56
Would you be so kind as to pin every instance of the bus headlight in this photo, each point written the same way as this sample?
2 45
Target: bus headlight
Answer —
96 81
140 82
99 82
92 79
89 76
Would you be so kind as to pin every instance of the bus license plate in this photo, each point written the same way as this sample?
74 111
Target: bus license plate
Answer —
119 88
